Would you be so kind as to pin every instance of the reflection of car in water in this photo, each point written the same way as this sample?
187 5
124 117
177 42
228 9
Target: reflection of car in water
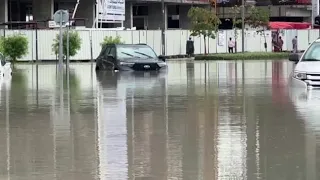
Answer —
5 74
307 104
5 67
306 74
110 79
126 57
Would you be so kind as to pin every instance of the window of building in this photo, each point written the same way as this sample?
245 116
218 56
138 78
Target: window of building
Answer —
140 10
173 17
139 23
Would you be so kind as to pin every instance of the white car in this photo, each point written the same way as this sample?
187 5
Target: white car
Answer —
5 67
306 73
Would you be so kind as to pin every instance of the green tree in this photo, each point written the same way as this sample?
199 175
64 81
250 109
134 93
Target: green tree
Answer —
1 45
74 43
14 46
203 22
236 10
111 40
259 19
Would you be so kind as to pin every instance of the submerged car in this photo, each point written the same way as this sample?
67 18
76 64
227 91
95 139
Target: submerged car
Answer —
5 67
126 57
306 73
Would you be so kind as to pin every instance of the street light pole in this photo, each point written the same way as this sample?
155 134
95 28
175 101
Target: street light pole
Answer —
163 37
242 24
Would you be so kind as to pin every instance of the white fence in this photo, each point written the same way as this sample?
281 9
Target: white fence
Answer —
175 41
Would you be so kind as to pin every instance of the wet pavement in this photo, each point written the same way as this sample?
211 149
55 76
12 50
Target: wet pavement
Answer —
200 121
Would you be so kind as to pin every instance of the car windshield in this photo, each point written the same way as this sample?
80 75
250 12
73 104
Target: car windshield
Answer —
313 53
141 52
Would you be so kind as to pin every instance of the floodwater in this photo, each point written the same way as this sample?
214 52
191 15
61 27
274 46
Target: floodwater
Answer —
220 120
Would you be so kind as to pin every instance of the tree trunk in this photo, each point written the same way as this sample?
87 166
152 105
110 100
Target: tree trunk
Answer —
235 40
205 45
265 42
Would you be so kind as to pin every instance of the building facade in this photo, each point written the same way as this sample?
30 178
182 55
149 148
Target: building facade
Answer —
147 14
280 10
142 14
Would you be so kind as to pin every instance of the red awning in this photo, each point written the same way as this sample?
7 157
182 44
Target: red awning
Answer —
289 25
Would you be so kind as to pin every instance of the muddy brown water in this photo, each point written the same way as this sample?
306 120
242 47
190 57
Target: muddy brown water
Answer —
220 120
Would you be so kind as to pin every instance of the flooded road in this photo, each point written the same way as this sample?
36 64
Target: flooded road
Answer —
200 121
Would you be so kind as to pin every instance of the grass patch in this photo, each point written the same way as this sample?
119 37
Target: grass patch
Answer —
244 56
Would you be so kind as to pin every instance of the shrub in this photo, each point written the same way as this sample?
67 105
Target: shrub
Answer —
1 45
74 43
243 56
111 40
14 46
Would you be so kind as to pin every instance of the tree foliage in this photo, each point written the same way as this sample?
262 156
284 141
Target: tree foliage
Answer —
259 19
203 22
74 43
111 40
236 20
236 16
14 46
1 45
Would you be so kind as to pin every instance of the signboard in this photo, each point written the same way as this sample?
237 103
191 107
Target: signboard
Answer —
230 3
61 15
290 2
221 38
111 10
52 24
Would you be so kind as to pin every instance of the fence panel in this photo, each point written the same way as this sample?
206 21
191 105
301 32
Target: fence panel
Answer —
175 41
45 41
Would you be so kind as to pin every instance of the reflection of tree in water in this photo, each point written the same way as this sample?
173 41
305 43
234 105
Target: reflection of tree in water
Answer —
18 91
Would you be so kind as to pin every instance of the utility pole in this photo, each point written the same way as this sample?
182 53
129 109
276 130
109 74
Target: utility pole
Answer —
242 25
163 36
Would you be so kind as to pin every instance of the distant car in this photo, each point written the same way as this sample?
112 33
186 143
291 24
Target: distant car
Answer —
129 57
306 73
5 67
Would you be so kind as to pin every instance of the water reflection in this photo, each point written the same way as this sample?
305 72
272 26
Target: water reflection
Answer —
203 120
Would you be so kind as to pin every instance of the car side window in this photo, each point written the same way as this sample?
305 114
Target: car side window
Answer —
113 51
106 51
314 53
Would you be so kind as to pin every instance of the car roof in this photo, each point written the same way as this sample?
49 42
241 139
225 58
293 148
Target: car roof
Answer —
143 45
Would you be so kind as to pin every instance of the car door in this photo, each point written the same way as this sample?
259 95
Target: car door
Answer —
102 61
112 56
